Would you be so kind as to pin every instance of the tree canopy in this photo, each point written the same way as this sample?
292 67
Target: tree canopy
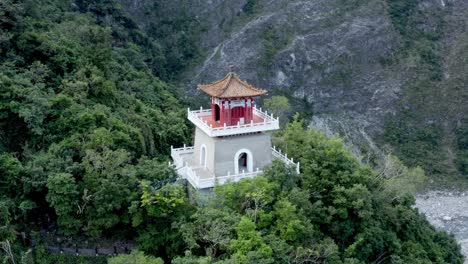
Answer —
336 211
84 119
86 125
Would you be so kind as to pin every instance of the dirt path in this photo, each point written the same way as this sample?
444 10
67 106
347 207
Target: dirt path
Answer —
448 211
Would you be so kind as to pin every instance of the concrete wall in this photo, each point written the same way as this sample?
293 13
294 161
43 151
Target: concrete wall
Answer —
203 139
221 151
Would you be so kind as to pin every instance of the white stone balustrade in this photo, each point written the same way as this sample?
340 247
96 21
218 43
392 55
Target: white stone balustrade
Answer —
199 182
176 155
269 123
284 157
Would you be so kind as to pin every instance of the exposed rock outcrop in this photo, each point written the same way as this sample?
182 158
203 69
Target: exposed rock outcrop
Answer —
340 56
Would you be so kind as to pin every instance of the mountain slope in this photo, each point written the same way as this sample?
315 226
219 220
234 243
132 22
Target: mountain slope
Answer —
85 129
382 73
83 118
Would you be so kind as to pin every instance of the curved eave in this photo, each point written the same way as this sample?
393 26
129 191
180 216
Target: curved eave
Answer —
231 86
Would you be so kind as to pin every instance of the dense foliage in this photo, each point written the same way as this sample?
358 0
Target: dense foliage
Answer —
83 119
85 129
335 211
178 33
135 257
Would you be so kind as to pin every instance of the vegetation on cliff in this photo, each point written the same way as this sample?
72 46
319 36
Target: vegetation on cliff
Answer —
83 118
385 74
335 211
85 129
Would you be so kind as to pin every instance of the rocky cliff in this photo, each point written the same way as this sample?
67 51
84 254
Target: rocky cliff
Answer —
386 74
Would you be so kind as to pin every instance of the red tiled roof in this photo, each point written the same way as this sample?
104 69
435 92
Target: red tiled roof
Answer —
231 86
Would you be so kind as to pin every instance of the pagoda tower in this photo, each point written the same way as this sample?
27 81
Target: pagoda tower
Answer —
230 139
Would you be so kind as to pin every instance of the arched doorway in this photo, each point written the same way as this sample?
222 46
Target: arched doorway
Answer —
203 156
217 113
243 161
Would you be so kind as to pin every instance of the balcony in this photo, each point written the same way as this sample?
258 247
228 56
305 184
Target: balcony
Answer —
200 178
261 122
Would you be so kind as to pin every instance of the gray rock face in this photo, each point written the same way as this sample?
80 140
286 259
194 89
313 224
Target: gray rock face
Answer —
329 53
333 53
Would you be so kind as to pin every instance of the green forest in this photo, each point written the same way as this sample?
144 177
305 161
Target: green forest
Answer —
88 114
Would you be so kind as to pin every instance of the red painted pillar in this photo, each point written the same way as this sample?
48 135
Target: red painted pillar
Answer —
228 113
252 103
246 112
222 117
249 108
213 109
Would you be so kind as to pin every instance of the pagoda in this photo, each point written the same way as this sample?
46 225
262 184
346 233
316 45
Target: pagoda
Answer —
230 139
